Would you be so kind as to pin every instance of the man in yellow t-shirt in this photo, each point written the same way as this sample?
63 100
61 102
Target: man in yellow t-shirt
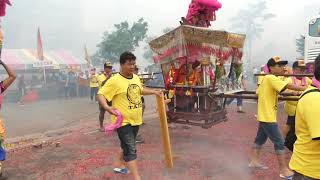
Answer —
93 85
298 67
305 160
268 91
102 79
124 90
139 138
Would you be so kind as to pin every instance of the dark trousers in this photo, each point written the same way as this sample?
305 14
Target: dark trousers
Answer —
127 135
82 90
93 93
298 176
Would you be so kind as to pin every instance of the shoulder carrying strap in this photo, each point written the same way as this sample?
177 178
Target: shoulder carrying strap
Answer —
103 82
310 91
307 92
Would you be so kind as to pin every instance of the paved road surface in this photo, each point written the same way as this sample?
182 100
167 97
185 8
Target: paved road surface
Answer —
43 116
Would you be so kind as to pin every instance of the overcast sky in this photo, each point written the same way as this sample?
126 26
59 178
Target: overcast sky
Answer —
100 15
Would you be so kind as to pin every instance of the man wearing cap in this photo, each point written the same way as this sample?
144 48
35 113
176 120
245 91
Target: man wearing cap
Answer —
102 79
298 67
305 159
268 92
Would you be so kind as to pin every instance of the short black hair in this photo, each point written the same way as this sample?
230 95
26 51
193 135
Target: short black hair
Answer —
127 56
317 68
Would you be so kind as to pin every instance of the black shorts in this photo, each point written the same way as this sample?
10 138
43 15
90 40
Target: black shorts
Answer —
291 135
291 120
127 135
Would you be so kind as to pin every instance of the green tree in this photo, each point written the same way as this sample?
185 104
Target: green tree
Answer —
123 38
250 21
147 50
300 45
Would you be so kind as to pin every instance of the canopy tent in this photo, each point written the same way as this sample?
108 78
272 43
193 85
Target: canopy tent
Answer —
24 59
191 42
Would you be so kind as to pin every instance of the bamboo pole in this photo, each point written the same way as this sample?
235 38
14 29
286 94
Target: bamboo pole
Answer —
288 75
253 97
164 130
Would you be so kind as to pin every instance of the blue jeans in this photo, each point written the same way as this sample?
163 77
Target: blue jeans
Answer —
271 131
93 93
239 101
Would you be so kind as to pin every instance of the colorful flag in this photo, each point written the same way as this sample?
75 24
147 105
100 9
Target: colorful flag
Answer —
39 46
86 55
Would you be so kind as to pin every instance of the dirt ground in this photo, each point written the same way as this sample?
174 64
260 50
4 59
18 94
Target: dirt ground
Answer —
219 153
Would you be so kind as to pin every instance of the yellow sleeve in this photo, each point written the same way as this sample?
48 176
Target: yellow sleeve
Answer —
260 78
100 80
309 81
141 83
312 116
276 83
109 90
289 81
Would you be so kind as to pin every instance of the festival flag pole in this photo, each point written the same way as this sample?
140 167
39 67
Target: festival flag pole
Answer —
86 56
40 55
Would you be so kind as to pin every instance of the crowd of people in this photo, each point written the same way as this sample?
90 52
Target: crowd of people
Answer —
302 133
55 85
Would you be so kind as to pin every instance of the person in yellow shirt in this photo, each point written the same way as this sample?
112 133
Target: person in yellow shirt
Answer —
298 67
260 78
93 85
4 84
102 79
139 138
268 91
124 90
305 160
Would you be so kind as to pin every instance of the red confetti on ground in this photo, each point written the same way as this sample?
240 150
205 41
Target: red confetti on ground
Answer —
219 153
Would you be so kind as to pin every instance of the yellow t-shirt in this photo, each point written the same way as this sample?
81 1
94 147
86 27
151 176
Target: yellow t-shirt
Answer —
306 152
290 106
101 79
268 92
260 78
94 81
125 95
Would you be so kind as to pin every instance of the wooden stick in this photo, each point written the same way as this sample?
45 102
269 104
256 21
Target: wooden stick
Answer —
282 94
253 97
288 75
164 130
